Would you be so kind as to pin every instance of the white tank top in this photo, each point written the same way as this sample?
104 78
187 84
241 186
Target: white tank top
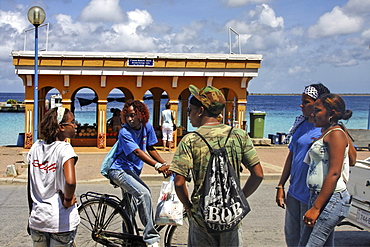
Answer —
317 158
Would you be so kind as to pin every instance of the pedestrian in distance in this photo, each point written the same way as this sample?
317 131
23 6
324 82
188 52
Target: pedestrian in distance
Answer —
52 181
328 160
302 133
115 121
167 123
136 147
192 157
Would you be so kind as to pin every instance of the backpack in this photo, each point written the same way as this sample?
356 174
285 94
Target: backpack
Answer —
108 160
222 202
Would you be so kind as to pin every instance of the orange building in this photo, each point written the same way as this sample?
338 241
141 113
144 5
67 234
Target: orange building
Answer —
134 74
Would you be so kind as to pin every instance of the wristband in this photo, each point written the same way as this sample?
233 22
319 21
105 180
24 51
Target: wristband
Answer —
158 165
68 199
279 187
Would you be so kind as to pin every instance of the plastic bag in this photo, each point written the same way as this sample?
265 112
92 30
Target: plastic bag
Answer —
169 207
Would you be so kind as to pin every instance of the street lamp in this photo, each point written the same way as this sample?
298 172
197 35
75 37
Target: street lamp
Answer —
36 15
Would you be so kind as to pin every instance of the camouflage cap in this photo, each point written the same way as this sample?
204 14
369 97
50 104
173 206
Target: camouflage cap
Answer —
210 97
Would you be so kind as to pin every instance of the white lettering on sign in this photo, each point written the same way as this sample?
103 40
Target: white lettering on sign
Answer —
141 62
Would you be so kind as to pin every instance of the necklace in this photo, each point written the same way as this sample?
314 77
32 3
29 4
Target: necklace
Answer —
137 133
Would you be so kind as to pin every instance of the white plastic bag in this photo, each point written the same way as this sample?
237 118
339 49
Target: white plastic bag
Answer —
169 207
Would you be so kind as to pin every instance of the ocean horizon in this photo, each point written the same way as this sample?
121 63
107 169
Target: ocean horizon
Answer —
280 109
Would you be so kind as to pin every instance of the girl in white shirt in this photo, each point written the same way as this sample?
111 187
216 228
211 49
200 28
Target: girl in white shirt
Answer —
52 182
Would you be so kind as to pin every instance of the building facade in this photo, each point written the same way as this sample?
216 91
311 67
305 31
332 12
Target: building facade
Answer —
134 74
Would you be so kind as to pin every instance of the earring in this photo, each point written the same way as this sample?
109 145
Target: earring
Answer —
330 119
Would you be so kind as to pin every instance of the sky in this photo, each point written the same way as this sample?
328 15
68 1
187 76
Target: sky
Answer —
301 41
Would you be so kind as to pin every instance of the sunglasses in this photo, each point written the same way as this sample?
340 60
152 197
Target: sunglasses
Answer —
132 115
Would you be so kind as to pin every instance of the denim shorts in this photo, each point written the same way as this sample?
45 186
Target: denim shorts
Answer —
44 239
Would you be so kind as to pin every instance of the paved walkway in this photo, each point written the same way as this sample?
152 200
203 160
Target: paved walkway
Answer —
90 158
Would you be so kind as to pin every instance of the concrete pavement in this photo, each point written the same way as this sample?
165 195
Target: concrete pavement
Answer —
90 158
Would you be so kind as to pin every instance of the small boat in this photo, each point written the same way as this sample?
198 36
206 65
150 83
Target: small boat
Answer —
14 107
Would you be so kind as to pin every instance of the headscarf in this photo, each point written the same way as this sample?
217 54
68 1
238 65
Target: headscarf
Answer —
313 93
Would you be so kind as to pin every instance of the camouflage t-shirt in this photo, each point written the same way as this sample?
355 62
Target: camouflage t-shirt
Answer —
193 154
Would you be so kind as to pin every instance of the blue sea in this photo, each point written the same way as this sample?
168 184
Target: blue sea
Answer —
281 111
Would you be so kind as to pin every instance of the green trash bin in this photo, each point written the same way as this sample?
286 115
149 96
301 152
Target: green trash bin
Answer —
257 124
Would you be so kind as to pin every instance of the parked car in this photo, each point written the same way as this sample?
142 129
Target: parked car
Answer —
359 187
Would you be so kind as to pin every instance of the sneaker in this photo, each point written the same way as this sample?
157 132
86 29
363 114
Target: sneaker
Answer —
153 245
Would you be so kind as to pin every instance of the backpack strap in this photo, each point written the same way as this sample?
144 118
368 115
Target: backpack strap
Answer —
209 146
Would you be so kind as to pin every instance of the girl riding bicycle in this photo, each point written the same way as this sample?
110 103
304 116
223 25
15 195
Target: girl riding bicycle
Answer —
135 138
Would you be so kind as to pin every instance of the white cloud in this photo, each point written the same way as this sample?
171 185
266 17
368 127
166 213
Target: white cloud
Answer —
238 3
267 17
130 35
102 10
188 34
262 31
366 34
13 20
335 23
357 7
298 70
290 58
139 18
12 25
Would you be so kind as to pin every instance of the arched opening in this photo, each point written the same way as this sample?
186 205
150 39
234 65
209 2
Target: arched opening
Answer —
116 100
84 107
53 98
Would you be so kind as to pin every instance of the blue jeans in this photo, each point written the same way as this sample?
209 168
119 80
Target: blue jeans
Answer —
199 237
294 224
334 212
46 239
131 183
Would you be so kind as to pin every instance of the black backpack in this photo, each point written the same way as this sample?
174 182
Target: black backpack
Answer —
222 202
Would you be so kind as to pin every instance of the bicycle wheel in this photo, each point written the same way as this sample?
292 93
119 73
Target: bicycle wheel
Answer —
102 224
177 235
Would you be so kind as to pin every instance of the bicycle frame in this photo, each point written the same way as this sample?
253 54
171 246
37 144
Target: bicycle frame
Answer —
99 233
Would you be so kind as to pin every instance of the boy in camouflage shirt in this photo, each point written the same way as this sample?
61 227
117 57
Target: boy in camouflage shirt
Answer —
193 155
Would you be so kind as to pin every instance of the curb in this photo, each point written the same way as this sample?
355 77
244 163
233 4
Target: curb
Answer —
145 178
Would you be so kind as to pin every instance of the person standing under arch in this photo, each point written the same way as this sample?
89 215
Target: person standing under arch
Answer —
167 123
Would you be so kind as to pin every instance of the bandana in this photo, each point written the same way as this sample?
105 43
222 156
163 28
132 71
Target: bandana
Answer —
312 92
60 115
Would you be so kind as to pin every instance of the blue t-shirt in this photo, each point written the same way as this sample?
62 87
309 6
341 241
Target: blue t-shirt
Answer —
302 139
130 140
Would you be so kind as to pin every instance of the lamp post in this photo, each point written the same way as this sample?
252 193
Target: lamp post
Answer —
36 15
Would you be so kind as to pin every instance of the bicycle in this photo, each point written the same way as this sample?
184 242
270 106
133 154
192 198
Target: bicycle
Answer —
106 221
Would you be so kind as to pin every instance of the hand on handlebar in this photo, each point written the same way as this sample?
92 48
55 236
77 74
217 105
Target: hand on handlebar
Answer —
164 170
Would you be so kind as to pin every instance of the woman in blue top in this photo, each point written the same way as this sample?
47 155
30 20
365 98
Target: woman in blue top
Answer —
135 138
303 135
